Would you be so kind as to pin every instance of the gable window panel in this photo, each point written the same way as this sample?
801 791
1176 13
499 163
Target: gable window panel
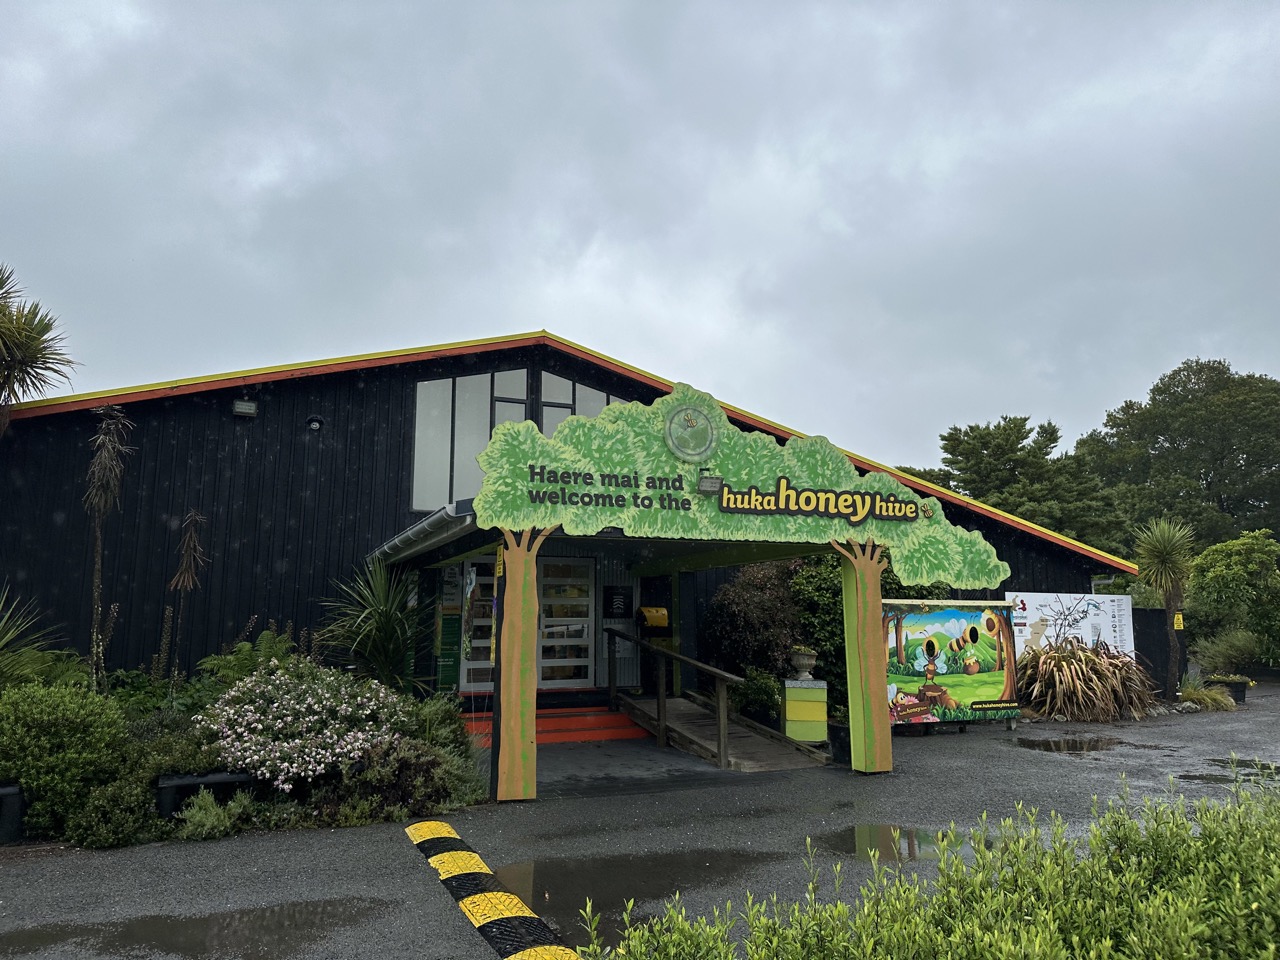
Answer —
470 433
510 384
589 402
433 417
556 389
505 411
552 417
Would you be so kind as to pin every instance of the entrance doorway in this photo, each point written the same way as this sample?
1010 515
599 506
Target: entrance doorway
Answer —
566 625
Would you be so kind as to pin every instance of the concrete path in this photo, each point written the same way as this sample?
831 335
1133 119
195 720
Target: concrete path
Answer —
616 820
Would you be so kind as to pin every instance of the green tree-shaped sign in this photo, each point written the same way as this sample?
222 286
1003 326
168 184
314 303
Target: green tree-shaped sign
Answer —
637 467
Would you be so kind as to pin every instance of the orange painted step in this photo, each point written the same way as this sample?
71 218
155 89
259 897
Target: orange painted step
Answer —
567 725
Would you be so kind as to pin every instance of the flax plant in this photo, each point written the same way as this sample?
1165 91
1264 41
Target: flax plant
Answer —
1093 684
23 640
372 625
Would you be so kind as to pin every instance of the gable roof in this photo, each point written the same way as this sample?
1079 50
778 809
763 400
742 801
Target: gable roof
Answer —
190 385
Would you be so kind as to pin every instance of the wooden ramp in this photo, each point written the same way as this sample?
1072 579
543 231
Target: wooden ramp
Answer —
692 728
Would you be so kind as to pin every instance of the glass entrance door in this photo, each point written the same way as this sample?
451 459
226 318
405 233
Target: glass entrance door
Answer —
476 675
566 625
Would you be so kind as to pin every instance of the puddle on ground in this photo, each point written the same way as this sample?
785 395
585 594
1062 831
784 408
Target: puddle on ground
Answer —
892 844
1069 744
261 933
1248 768
1247 771
557 890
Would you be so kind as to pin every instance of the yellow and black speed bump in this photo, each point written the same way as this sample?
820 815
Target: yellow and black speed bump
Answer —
510 927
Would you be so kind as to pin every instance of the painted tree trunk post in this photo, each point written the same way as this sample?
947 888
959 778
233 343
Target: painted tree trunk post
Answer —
866 657
518 682
1008 656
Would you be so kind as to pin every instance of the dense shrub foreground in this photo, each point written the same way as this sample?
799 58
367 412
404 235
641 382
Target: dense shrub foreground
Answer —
1157 880
324 747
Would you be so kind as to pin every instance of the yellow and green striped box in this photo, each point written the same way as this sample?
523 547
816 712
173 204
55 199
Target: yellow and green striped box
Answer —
804 710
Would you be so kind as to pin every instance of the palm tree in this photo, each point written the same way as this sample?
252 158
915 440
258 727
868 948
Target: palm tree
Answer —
1165 549
31 354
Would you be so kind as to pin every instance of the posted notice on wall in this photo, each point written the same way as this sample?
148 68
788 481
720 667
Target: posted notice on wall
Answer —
1091 618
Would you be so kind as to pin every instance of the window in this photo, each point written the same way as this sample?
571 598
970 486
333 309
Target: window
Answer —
453 421
455 417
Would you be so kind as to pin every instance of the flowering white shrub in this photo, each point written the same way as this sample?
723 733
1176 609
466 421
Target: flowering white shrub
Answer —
293 721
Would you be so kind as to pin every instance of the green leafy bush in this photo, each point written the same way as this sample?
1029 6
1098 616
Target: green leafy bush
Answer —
753 621
1159 879
438 720
397 780
139 693
760 697
58 742
1232 650
203 818
116 814
168 742
1236 584
1080 682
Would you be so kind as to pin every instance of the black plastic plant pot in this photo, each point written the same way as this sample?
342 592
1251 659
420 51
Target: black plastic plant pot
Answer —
10 813
1235 688
838 737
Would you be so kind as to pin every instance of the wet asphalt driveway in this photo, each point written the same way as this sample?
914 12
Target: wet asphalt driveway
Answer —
616 820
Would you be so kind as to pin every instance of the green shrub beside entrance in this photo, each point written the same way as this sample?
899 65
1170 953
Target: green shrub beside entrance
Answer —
1160 879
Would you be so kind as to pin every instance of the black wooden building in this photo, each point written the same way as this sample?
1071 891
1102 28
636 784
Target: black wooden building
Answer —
303 471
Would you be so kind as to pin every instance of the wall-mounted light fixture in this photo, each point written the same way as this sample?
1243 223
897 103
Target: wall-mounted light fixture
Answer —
315 423
244 408
708 485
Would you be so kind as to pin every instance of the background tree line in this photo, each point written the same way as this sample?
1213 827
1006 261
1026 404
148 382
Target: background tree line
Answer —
1200 455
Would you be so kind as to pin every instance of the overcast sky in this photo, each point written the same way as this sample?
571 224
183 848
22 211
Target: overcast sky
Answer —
869 221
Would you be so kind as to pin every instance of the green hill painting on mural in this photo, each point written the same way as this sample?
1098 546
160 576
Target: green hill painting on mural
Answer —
678 469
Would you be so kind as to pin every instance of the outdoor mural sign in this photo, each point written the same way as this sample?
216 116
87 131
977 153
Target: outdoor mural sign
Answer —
1091 618
950 661
678 469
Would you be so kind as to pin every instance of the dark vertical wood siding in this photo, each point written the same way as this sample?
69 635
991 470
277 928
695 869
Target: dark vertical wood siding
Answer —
290 510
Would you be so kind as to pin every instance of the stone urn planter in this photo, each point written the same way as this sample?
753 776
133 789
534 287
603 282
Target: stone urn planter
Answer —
802 661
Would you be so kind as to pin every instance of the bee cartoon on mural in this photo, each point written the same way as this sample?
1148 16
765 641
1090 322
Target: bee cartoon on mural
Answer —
908 708
930 659
969 662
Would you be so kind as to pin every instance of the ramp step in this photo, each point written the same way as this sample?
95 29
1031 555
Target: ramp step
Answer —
566 725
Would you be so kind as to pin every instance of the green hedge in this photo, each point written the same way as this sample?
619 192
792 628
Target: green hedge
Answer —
58 743
1160 879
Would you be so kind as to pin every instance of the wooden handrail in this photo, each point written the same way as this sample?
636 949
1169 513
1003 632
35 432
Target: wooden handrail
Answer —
706 668
722 678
